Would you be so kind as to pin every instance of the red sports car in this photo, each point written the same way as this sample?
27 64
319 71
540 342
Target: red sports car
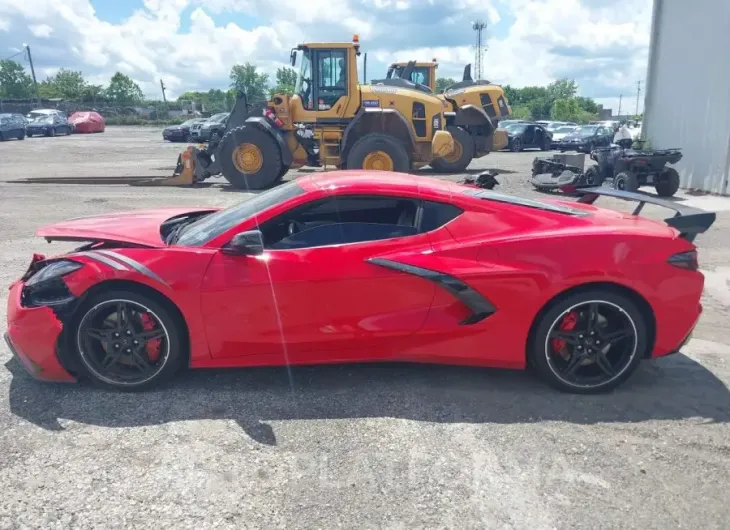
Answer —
361 266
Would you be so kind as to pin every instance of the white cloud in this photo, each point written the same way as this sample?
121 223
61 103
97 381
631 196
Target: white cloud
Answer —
41 30
602 45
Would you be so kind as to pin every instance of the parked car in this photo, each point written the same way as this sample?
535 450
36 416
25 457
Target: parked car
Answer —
39 113
159 290
554 125
210 128
505 123
87 122
526 135
560 133
49 125
12 126
180 133
585 138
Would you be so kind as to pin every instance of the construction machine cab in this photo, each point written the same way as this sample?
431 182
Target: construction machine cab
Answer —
421 73
327 83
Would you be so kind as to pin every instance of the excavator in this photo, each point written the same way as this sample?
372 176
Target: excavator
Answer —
474 139
331 121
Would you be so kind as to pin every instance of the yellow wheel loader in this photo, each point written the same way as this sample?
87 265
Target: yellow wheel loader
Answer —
474 109
330 121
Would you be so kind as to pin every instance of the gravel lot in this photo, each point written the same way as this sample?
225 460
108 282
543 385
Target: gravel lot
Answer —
393 446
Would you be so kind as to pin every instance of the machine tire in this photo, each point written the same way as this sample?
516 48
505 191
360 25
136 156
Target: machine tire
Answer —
174 336
284 171
626 181
383 143
592 176
668 183
271 165
516 146
466 143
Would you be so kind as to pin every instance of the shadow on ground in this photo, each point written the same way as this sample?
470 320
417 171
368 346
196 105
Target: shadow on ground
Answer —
673 388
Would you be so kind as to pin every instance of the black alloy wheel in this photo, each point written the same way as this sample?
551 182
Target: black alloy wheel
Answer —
124 343
591 344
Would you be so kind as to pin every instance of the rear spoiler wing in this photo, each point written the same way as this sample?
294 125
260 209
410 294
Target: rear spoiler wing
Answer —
689 221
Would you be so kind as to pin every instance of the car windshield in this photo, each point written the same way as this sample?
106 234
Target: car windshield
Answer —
215 118
516 127
211 226
587 130
564 129
44 118
188 123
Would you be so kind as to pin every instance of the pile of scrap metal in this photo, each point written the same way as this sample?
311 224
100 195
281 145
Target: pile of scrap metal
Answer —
562 172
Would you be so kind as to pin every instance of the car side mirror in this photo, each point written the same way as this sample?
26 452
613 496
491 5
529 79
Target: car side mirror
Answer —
293 58
249 243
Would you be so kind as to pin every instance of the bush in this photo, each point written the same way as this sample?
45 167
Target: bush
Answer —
140 120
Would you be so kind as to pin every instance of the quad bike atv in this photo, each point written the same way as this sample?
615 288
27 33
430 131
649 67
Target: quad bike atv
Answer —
629 169
330 121
473 111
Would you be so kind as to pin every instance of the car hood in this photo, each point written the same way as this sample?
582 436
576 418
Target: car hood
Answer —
137 227
575 137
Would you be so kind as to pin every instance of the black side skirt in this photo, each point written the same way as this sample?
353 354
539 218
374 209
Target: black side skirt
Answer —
479 306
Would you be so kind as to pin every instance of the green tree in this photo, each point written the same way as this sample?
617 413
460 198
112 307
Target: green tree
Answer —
521 113
286 80
246 79
442 83
70 84
562 89
569 109
123 90
14 81
587 104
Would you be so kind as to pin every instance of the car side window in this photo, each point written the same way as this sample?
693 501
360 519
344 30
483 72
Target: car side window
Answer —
437 214
341 220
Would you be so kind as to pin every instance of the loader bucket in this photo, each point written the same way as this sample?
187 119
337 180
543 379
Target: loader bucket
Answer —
183 175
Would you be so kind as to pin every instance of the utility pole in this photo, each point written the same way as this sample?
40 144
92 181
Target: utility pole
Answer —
638 91
479 27
32 70
164 99
620 97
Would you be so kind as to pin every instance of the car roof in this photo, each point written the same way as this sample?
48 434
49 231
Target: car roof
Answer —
384 182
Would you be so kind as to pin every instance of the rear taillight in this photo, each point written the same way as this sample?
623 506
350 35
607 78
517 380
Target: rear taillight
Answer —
685 260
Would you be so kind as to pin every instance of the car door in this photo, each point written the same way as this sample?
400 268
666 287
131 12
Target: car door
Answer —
313 295
529 136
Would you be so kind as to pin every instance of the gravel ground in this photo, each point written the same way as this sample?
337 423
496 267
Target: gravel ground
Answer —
393 446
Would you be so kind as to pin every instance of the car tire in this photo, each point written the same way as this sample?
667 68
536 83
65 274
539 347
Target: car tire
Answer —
172 344
545 144
377 150
2 137
547 361
21 136
668 183
264 157
626 181
464 152
51 132
516 146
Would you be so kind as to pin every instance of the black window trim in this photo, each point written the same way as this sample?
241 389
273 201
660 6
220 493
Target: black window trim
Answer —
417 221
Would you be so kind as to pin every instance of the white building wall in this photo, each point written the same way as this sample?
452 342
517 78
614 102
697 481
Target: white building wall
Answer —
687 99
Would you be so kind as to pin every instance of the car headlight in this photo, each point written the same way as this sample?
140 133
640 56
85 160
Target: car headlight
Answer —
53 270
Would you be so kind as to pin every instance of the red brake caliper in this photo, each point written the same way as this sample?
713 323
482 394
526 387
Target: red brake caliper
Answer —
567 324
153 346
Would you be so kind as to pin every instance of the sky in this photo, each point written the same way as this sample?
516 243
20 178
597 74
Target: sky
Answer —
192 44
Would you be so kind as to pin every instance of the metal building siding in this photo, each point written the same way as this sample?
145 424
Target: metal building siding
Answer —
688 89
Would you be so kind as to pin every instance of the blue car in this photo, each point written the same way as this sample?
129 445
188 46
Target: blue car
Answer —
48 125
12 126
